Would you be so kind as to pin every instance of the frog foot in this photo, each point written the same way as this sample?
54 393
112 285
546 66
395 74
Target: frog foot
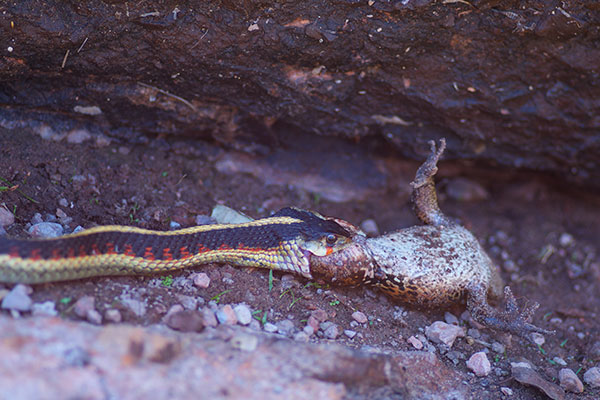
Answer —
429 168
512 319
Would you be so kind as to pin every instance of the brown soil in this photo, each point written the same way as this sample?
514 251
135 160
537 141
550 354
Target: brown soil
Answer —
167 180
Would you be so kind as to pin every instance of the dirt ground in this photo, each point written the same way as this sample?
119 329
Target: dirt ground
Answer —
543 234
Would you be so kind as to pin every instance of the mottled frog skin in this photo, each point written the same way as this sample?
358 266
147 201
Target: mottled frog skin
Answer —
435 264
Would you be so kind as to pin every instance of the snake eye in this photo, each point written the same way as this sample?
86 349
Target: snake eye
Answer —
331 239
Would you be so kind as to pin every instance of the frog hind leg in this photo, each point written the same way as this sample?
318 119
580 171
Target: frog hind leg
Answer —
424 196
512 319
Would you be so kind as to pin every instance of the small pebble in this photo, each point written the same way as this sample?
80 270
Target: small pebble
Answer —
441 332
175 308
18 299
269 327
350 333
243 314
6 217
506 391
369 226
63 202
36 219
244 342
560 361
113 315
84 305
450 318
201 280
47 308
498 348
188 302
309 330
209 317
174 225
566 240
301 336
46 230
204 220
569 381
360 317
226 315
313 323
287 281
124 150
186 321
136 306
285 327
254 324
592 377
332 332
538 338
78 136
416 343
94 317
479 364
474 333
320 315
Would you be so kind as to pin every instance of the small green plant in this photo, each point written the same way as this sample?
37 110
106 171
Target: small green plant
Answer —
270 280
65 300
334 303
165 174
217 297
562 344
167 281
578 370
541 349
294 298
12 187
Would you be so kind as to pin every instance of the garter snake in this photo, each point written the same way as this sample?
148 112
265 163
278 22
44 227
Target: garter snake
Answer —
284 241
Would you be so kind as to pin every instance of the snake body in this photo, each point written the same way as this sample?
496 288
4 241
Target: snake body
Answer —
284 241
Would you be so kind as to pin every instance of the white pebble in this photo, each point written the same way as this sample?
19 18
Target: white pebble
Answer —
479 364
569 381
441 332
201 280
243 314
592 377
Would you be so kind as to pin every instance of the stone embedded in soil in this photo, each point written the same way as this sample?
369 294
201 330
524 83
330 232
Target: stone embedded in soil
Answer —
113 315
319 315
360 317
441 332
94 317
188 302
201 280
46 230
523 373
47 308
243 314
210 318
83 305
350 333
138 307
285 327
538 338
6 217
570 381
416 343
301 336
269 327
226 316
451 318
479 364
186 321
332 332
18 299
244 342
592 377
309 330
78 136
313 323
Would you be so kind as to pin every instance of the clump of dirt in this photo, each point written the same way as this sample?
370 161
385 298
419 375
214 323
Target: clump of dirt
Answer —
543 236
